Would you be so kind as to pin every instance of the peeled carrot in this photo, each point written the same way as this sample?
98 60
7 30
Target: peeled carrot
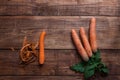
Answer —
79 46
93 41
85 41
41 47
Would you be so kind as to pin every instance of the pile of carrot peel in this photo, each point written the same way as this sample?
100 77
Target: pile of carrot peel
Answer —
28 52
89 52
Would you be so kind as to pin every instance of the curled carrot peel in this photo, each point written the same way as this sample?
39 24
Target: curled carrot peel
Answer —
85 41
41 48
79 46
93 41
22 53
28 51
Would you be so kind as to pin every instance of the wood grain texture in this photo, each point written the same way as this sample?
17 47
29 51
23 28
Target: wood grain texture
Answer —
57 63
19 18
60 10
60 7
61 2
111 77
58 29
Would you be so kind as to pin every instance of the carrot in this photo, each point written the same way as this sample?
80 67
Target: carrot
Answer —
79 46
41 47
92 32
85 41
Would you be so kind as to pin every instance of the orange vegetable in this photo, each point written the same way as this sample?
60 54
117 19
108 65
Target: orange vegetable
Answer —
93 41
85 41
41 47
79 46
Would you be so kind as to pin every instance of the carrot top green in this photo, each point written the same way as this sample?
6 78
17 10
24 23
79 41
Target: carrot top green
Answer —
92 66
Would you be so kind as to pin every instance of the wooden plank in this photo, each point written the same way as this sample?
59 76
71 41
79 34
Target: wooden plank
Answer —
60 7
57 63
52 10
43 77
13 29
60 10
61 2
99 2
11 64
49 2
111 77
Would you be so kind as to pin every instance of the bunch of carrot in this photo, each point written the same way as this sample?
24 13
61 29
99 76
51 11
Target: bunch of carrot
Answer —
88 51
88 47
28 51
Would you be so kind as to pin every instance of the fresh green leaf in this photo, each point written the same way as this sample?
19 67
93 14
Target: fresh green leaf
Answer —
95 58
101 65
80 67
90 70
89 73
91 66
97 54
105 70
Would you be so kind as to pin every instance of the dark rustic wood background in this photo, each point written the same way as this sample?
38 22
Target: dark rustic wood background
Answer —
19 18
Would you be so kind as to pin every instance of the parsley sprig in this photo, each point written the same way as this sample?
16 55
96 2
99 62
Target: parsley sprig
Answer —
92 66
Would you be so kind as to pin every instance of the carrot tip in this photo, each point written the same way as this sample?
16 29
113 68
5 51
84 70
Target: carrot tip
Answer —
81 27
93 19
90 55
25 37
86 59
73 30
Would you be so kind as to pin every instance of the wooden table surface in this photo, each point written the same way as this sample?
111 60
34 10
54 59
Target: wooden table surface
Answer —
19 18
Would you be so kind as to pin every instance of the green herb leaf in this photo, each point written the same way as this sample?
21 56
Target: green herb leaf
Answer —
97 54
90 70
80 67
96 57
101 67
88 73
105 70
91 66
